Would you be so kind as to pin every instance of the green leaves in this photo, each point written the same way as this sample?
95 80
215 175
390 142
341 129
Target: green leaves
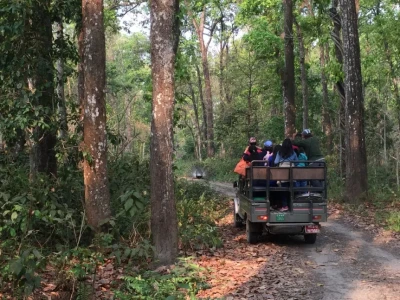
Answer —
134 203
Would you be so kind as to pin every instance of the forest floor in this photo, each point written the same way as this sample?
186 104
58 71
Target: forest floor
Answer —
352 259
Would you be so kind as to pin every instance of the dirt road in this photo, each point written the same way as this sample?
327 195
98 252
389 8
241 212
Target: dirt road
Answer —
345 263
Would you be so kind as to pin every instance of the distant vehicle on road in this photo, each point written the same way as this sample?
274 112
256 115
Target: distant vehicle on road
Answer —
198 173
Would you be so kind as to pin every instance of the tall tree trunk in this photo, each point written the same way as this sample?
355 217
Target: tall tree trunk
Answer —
227 90
81 75
43 156
164 42
250 127
288 76
196 121
203 105
97 194
326 120
221 67
304 85
208 99
208 103
393 79
339 85
356 156
62 112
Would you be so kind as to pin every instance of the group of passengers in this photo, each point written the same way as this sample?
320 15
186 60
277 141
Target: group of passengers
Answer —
302 147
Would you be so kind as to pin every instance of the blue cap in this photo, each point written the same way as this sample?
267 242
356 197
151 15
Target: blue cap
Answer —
268 143
306 132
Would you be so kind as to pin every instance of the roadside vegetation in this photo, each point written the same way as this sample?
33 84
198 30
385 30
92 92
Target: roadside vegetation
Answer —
42 228
93 151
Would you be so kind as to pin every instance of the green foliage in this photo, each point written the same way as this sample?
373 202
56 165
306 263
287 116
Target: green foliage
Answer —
393 221
180 281
199 208
21 271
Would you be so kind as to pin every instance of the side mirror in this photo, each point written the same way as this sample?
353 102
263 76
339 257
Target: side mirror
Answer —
235 184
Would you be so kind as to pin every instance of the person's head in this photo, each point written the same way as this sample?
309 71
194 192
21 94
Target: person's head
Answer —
252 148
268 146
306 134
286 150
295 149
252 141
301 150
253 152
276 149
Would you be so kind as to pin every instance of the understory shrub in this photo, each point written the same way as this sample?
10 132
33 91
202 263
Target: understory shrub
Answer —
180 281
199 208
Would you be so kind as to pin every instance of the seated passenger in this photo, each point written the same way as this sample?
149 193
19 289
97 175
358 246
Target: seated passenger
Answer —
252 152
312 149
267 151
283 158
301 157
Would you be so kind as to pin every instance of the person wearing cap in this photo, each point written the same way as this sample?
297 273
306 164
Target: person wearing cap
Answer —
268 150
312 149
252 151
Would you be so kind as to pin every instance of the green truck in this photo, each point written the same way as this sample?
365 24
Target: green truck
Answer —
263 186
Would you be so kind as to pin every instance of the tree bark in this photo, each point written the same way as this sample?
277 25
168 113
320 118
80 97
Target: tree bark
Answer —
97 194
326 120
203 105
81 75
288 76
62 112
304 85
197 121
208 98
164 42
393 79
209 109
356 156
339 85
43 156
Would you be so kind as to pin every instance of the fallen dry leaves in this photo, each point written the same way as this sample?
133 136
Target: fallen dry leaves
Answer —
262 271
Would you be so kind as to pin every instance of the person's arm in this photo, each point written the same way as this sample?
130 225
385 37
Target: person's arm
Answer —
299 143
277 159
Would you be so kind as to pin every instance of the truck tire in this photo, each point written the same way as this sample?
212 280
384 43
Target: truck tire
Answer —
310 238
237 220
252 232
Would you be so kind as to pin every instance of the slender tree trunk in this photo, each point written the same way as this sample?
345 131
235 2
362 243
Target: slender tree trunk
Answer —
164 42
203 105
288 76
43 156
304 85
81 75
356 156
326 120
208 99
197 121
209 109
393 79
97 194
250 128
62 112
221 75
339 85
228 95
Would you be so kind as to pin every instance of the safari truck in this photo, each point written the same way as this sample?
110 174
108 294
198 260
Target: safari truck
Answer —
263 186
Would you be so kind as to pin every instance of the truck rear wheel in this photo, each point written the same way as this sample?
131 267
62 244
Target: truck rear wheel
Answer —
237 220
310 238
253 232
